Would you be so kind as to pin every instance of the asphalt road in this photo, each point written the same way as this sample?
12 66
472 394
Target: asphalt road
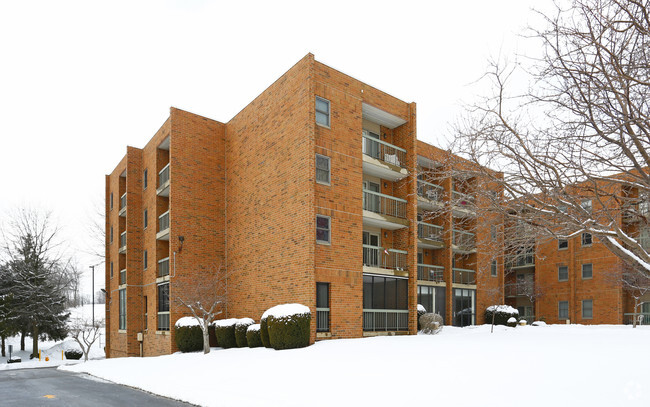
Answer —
51 387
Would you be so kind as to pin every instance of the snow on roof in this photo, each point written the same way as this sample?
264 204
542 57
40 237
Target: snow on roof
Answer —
285 310
507 309
187 321
254 327
421 308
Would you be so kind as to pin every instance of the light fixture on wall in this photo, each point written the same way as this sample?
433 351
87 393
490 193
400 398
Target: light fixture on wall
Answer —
181 239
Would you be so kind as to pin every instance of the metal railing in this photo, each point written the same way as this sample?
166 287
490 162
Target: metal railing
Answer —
122 240
429 231
123 201
163 321
384 204
163 267
383 151
430 191
641 318
374 256
385 320
429 272
163 176
521 260
163 221
463 240
463 200
520 289
322 319
122 276
464 276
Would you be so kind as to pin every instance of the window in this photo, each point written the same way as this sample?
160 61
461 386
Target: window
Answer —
563 273
322 229
587 271
563 309
145 218
111 201
322 111
562 244
587 309
111 234
385 293
146 314
144 179
493 271
322 169
163 307
586 205
144 260
493 232
122 302
322 307
586 239
111 269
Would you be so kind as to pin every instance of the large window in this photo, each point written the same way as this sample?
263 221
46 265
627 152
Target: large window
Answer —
322 307
563 309
322 169
323 229
563 273
464 307
432 299
587 271
163 307
587 309
322 111
122 311
385 293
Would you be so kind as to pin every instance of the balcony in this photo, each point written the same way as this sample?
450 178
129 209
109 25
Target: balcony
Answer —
122 276
385 320
123 205
378 257
384 211
163 227
430 236
430 196
163 267
382 159
521 289
522 260
163 181
641 318
463 204
464 276
429 272
463 242
122 243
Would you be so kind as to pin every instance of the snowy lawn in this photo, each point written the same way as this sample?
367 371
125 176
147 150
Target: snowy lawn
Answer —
555 365
52 350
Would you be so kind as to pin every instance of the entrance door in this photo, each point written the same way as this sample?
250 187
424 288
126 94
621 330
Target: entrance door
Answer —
371 202
463 307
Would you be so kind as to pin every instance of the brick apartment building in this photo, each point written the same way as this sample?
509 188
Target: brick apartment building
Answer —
310 194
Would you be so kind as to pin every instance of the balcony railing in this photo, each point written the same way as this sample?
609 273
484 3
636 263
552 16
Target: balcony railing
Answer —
123 241
464 276
322 319
123 201
123 276
163 176
385 320
383 151
163 222
641 318
522 260
384 204
429 231
463 200
374 256
430 191
429 272
163 267
464 240
526 288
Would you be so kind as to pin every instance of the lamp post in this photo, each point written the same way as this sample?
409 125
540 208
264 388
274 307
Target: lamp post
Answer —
93 288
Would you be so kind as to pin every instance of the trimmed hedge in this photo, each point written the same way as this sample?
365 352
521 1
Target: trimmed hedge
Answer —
264 333
224 330
253 336
73 354
421 311
289 332
240 331
502 313
188 338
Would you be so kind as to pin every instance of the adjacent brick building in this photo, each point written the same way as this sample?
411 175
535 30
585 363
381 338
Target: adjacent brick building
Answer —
310 194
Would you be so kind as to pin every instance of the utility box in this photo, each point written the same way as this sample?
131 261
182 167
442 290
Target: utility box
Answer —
139 336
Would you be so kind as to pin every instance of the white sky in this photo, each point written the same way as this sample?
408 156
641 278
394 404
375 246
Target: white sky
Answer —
79 81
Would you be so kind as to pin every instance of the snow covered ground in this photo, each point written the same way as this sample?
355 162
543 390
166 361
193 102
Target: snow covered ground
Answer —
554 365
51 349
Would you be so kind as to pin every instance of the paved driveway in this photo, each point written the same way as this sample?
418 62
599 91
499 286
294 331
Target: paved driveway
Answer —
51 387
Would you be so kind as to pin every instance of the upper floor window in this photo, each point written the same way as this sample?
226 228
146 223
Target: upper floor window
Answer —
587 309
494 269
322 111
587 271
111 234
493 232
144 179
322 169
586 239
562 244
563 273
111 201
563 309
145 218
323 229
145 260
586 205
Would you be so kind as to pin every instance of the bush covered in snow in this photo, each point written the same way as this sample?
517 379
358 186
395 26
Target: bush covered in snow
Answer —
288 326
240 331
73 354
264 333
253 336
224 329
430 323
421 311
512 322
502 313
188 335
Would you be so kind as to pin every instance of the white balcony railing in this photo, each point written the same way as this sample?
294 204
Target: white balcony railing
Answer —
163 176
374 256
464 240
123 241
383 151
429 272
430 191
429 231
384 204
464 276
163 267
163 222
123 201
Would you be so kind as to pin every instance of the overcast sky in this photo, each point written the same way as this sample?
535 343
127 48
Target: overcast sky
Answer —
79 81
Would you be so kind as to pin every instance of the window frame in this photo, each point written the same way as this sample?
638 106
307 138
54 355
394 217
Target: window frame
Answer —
559 242
122 309
582 309
582 268
145 259
111 201
329 169
111 269
559 310
111 234
327 114
559 275
145 182
583 239
494 269
587 205
320 308
160 302
329 230
145 216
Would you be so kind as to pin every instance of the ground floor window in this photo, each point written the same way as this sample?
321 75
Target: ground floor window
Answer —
587 309
163 307
122 311
322 307
563 309
385 303
526 312
432 299
464 307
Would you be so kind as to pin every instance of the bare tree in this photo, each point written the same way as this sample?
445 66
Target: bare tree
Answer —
574 150
637 285
206 301
85 333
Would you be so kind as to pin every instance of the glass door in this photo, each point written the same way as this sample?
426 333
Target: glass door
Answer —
371 249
